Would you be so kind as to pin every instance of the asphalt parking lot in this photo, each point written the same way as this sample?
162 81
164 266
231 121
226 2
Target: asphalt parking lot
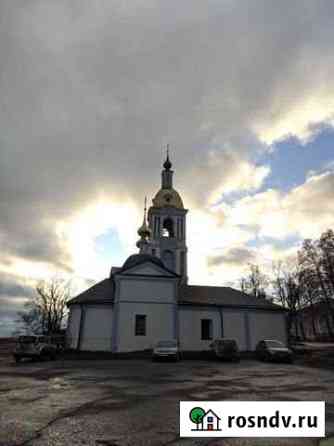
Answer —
136 402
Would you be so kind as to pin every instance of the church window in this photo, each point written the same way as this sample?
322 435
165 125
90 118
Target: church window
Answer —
140 325
168 228
206 329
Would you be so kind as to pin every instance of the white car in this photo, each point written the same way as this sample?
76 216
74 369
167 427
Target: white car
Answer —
34 347
167 350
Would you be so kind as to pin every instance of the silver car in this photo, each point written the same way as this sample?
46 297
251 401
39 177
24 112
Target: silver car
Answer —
166 350
272 350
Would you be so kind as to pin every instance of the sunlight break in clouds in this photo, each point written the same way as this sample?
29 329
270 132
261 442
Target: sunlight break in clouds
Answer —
82 230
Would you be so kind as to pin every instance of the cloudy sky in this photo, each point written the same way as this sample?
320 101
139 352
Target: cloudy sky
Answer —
91 91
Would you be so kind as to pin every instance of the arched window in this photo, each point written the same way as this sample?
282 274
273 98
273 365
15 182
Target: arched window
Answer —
168 228
168 259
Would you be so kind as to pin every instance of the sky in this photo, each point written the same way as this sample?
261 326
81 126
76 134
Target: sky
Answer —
91 91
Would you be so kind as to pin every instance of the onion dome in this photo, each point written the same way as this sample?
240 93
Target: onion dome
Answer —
168 198
144 231
167 164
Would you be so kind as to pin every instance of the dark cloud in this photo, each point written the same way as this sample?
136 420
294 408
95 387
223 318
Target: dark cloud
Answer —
234 256
13 286
14 290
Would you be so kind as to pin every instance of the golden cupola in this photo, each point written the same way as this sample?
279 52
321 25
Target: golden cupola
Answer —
167 196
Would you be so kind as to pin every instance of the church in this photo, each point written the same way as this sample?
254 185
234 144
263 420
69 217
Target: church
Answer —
148 298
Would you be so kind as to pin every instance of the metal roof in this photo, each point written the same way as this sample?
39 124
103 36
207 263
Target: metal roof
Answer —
222 296
100 293
103 293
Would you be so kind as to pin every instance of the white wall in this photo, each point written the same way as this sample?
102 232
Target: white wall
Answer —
159 325
262 325
73 326
147 290
234 327
96 331
266 326
190 327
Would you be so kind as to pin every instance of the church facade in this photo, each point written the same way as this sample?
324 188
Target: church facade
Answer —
148 298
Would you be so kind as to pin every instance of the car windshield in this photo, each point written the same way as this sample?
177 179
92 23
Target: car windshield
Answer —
167 344
42 339
274 344
27 339
226 342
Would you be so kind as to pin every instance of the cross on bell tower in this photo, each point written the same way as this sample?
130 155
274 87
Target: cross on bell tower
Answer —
167 222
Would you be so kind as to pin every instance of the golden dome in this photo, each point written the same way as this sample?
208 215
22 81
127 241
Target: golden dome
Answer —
167 198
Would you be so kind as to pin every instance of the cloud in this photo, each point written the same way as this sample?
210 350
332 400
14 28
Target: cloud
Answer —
13 286
221 173
305 210
234 256
14 291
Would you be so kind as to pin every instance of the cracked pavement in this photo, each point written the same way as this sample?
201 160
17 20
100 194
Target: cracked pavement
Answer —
136 402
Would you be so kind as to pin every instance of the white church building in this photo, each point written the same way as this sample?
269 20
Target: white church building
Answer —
148 298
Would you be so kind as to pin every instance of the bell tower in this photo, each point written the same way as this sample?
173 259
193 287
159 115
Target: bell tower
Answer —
167 223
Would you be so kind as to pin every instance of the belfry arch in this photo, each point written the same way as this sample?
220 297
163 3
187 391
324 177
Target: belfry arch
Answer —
168 228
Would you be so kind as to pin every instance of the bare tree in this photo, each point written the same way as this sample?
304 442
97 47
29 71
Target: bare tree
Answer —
326 246
45 311
288 292
311 294
311 260
255 283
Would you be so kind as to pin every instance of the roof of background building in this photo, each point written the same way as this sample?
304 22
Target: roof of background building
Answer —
221 296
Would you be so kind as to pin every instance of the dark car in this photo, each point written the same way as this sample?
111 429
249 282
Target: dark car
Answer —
272 350
34 347
225 349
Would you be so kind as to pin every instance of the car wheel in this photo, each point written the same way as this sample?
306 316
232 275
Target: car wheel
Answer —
45 355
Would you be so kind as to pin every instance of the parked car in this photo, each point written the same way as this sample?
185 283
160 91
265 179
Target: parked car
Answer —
35 347
166 350
272 350
225 349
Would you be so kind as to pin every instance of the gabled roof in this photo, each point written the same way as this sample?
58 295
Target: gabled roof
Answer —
139 259
222 296
210 411
101 292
